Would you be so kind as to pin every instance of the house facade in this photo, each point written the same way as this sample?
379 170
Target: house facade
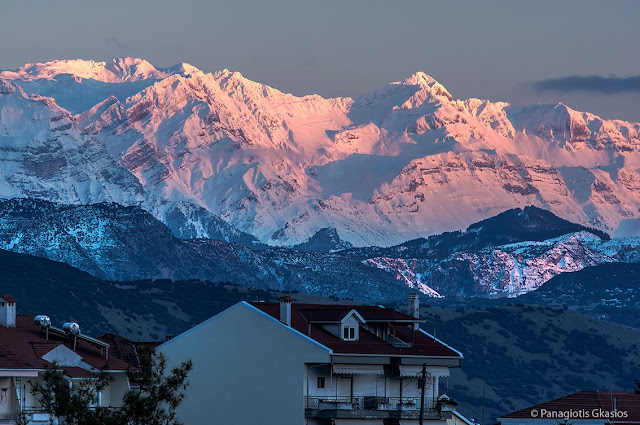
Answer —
290 363
28 345
581 408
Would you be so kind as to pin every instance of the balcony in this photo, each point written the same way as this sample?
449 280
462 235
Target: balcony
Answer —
371 407
397 342
33 416
8 418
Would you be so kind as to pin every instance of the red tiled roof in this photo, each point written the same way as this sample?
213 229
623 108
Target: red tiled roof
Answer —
588 400
8 298
127 349
325 316
121 347
368 343
22 347
76 372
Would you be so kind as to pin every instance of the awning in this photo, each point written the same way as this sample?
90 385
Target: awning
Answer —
440 371
411 371
357 369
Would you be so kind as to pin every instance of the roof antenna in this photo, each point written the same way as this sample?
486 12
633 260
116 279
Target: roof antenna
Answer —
434 334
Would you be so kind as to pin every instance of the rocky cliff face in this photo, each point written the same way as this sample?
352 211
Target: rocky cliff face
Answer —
115 242
198 150
507 270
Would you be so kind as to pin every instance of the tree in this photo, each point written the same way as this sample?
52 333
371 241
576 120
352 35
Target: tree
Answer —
638 385
153 402
158 395
75 405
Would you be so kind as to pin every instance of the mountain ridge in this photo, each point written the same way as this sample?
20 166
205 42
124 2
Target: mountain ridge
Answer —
403 161
126 243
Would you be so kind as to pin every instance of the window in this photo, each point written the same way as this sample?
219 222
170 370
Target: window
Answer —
349 333
321 382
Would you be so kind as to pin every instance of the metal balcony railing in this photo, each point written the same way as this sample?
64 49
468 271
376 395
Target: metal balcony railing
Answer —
6 417
397 342
368 405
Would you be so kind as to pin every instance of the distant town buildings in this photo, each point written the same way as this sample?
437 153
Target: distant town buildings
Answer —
290 363
581 408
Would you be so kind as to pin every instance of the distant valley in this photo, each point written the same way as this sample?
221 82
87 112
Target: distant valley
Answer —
505 346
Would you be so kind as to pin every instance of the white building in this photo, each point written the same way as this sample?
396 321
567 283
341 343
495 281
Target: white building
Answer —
290 364
27 348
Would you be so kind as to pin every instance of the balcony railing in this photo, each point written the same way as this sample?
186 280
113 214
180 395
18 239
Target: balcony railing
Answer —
397 342
8 417
370 406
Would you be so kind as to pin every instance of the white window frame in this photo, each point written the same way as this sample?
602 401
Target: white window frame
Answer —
349 333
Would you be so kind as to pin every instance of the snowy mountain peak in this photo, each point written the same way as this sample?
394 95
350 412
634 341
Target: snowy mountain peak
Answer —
114 71
7 87
426 82
418 79
183 69
234 80
133 69
402 161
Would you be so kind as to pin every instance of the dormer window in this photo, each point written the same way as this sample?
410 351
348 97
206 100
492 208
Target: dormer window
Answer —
349 333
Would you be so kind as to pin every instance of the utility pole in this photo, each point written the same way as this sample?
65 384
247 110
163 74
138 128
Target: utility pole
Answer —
424 386
484 398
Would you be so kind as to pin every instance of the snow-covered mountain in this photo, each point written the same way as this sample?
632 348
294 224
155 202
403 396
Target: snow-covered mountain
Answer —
114 242
127 243
508 270
404 161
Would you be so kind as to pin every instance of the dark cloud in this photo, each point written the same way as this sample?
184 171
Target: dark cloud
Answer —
116 42
591 83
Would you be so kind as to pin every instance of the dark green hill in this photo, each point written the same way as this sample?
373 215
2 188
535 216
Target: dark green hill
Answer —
609 291
514 225
522 354
139 310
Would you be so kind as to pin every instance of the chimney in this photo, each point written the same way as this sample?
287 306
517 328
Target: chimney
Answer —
7 311
285 309
414 307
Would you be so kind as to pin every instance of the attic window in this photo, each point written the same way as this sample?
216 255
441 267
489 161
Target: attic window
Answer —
349 333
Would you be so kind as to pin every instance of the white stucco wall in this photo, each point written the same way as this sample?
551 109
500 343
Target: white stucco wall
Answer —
7 395
248 369
112 395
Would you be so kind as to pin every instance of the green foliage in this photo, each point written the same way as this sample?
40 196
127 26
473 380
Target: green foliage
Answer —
158 395
153 402
71 402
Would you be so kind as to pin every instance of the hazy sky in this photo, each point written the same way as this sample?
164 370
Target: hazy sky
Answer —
521 52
